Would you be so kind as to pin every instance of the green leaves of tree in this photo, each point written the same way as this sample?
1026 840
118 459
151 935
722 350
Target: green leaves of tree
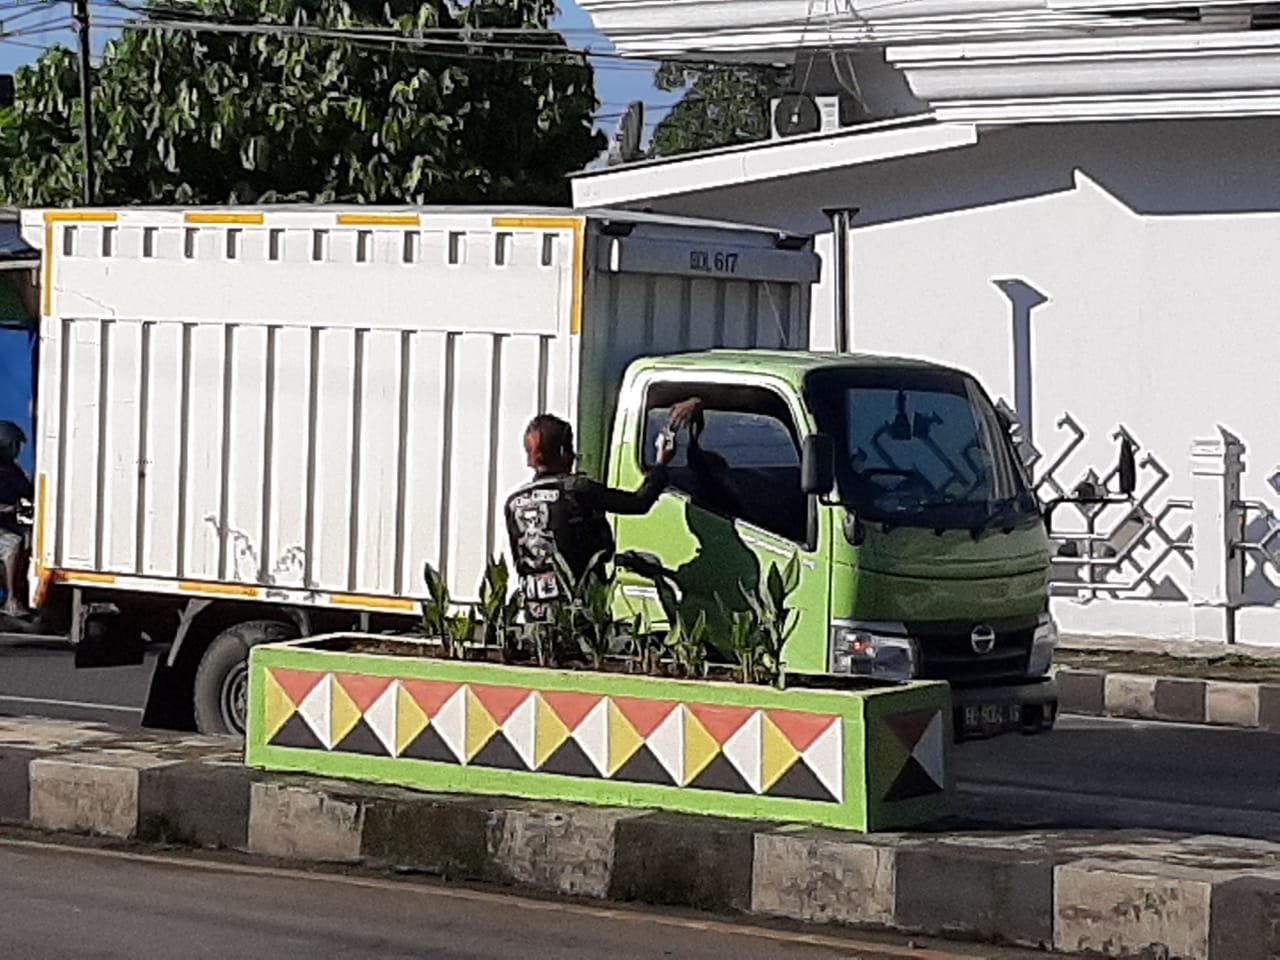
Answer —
198 117
722 105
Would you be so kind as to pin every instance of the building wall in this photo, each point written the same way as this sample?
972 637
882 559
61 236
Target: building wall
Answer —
1121 275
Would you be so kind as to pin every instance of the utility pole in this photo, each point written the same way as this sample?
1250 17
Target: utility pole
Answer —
81 15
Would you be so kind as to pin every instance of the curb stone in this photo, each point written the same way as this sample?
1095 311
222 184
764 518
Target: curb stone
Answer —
1227 703
1118 893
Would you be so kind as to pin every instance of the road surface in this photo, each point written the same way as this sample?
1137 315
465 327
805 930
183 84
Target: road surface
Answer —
1086 773
68 903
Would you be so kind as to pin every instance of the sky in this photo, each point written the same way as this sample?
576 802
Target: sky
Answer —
34 24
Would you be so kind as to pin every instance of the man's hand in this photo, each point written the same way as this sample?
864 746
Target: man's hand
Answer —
687 412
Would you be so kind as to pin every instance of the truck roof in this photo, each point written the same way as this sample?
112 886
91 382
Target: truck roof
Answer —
792 364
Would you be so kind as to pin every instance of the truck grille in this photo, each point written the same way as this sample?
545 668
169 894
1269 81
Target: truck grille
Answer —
946 653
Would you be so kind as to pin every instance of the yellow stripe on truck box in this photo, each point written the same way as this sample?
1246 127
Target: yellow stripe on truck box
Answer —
378 220
379 603
577 225
214 217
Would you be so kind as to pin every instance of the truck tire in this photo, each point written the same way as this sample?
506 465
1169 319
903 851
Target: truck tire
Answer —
221 691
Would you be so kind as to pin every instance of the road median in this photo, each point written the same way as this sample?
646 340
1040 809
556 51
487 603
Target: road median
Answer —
1119 893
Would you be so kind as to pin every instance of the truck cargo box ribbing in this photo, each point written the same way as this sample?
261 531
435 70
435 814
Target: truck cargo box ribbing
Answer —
307 404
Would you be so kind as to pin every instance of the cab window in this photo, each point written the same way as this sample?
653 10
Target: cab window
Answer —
746 464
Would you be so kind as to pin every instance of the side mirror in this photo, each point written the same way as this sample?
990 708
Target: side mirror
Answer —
817 465
1127 469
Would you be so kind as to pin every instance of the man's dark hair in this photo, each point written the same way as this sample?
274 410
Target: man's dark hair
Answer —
554 437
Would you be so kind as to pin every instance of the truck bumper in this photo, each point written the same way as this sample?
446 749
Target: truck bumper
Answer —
984 712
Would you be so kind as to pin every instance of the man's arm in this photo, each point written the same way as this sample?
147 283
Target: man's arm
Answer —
627 502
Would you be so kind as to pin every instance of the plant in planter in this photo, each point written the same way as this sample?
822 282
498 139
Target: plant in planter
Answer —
452 631
500 609
774 620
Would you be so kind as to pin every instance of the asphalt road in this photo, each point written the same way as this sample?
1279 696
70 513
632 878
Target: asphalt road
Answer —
1086 773
61 902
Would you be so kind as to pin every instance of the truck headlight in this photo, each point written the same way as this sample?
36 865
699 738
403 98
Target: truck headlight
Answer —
1043 645
872 650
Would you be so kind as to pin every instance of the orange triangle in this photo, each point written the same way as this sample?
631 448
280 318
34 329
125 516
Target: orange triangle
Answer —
501 702
430 695
364 691
571 708
296 683
644 715
801 729
721 722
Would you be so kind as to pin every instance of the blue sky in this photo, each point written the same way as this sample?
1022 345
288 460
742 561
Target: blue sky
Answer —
617 83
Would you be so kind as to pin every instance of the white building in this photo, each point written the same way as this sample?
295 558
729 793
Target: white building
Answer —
1079 201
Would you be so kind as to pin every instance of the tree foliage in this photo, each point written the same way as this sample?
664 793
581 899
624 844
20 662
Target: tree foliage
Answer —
199 117
722 105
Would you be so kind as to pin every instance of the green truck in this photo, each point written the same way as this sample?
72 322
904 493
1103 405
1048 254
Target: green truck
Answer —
923 550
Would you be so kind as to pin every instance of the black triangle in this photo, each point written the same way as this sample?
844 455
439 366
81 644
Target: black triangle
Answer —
643 767
721 775
296 733
912 781
570 760
498 752
363 740
800 783
429 745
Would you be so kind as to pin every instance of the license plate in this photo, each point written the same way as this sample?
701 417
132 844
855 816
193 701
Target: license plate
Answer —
991 718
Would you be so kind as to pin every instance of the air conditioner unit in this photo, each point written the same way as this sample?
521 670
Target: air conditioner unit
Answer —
798 114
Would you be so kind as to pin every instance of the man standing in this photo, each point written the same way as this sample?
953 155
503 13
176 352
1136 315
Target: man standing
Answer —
562 512
15 486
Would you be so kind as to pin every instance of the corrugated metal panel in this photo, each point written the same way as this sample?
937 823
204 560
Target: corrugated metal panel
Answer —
304 402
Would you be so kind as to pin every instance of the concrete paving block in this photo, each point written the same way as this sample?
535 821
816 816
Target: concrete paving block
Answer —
699 862
1269 706
51 735
303 823
1246 919
568 850
446 836
1132 909
805 877
1231 704
88 792
1131 695
1082 692
1180 700
1004 895
196 804
15 783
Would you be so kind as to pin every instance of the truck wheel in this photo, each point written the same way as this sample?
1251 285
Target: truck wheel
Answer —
221 694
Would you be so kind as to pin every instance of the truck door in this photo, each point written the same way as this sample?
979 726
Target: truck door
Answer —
734 509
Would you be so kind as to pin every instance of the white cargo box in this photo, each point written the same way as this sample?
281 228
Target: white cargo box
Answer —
307 404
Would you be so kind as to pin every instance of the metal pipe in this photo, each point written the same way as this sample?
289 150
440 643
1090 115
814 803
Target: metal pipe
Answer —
81 16
841 225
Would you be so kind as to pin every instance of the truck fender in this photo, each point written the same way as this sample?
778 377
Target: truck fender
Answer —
300 619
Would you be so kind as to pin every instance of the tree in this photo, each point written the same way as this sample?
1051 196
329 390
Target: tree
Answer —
189 117
722 105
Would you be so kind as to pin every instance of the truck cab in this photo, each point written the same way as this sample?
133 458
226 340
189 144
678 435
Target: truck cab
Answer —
923 549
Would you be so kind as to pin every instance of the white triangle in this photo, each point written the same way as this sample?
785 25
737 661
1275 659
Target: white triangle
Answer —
381 717
451 723
592 735
316 708
929 752
667 744
519 729
825 757
744 751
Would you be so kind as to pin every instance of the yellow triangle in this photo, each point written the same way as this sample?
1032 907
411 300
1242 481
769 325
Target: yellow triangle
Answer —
411 719
549 732
277 707
700 748
480 726
776 753
343 715
623 739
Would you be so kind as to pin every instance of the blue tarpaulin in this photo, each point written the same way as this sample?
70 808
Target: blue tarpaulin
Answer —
17 344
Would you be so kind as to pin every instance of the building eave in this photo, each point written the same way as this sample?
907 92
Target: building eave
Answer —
768 160
1143 77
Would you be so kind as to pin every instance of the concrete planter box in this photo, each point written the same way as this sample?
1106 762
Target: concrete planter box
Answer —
872 758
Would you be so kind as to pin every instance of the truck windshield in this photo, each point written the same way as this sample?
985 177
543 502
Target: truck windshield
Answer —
919 447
